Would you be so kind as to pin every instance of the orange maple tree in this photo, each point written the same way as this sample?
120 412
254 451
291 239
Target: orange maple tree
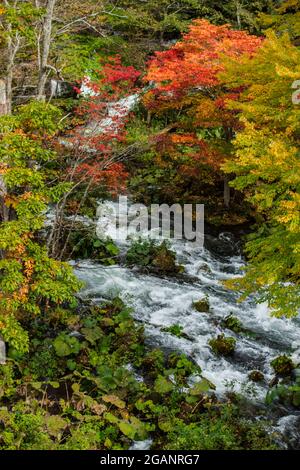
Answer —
187 90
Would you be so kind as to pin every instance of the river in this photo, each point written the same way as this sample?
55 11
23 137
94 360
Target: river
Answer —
159 302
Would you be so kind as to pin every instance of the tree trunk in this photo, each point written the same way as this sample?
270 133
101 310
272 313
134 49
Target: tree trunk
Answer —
238 14
45 49
226 192
4 210
13 46
3 101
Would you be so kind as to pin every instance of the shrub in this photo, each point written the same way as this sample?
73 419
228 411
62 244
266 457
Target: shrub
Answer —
256 376
232 323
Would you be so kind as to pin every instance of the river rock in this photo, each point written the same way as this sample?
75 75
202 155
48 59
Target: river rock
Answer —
202 305
256 376
225 245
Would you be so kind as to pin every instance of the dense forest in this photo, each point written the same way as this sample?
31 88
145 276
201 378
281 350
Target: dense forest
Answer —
145 343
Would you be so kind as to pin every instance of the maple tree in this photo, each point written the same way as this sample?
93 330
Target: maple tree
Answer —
267 169
92 154
31 283
188 92
108 113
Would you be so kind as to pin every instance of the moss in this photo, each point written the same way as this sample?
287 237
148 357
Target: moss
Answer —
283 365
152 256
165 259
223 345
232 323
202 305
256 376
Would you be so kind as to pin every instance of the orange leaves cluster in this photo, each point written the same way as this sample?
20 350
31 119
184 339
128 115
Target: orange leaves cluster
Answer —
196 60
186 82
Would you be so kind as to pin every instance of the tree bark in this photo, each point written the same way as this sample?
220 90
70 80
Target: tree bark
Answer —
4 211
238 14
226 192
45 49
3 101
13 46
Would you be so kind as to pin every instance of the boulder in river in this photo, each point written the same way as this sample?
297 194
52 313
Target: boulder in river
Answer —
256 376
202 305
283 365
223 345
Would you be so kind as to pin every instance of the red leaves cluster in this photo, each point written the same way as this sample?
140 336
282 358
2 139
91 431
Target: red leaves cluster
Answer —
105 116
186 79
196 60
122 79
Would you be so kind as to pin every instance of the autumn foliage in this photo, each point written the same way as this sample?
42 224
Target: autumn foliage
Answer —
104 116
187 84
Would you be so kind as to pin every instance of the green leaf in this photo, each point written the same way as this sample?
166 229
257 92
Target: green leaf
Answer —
92 334
128 429
55 424
111 418
162 385
202 387
54 384
76 387
36 385
114 400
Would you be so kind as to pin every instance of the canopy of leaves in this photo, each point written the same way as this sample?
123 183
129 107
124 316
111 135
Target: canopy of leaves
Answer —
268 170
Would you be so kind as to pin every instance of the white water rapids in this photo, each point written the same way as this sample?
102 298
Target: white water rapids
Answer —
159 302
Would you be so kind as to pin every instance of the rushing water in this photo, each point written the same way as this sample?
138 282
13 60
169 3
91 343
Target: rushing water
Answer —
164 301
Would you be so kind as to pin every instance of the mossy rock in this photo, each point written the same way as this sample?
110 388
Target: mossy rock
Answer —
204 268
256 376
223 345
165 260
283 365
202 305
232 323
154 257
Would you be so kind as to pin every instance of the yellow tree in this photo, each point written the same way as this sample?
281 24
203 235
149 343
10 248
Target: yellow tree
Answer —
283 18
267 168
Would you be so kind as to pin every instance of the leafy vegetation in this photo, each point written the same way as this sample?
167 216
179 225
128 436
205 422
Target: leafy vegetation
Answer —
77 391
283 365
188 101
266 167
202 305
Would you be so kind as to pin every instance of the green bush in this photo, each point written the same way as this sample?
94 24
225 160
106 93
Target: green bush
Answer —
233 323
175 330
219 430
83 243
256 376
